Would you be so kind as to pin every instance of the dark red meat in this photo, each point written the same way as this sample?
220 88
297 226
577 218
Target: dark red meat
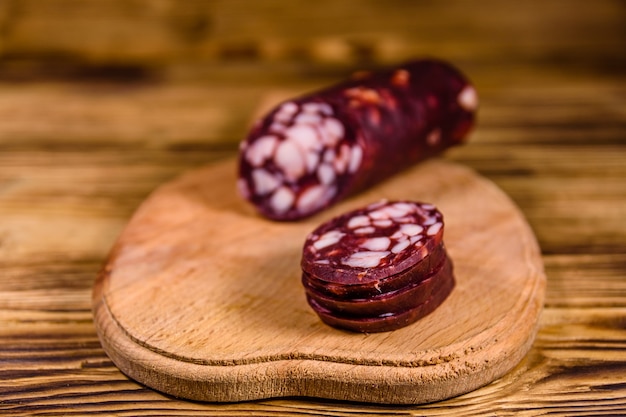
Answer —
372 288
372 243
389 321
379 267
314 150
403 299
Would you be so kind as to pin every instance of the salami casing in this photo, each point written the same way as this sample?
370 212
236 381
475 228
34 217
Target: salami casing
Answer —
384 303
379 267
389 321
312 151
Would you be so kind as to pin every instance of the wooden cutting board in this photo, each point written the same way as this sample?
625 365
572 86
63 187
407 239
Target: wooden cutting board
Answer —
201 298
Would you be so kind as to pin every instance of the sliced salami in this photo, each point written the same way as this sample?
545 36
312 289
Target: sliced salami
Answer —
389 321
378 266
404 299
372 243
312 151
339 289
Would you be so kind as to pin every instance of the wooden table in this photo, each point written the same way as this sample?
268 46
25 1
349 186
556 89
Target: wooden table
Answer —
87 130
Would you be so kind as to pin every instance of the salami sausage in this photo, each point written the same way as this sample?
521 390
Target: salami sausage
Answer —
312 151
377 268
403 299
331 284
388 321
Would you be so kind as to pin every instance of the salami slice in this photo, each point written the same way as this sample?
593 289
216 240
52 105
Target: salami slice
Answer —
312 151
388 321
404 299
378 267
372 243
339 289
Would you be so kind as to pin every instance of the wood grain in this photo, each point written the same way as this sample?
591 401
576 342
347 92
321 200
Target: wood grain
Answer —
52 361
550 134
201 298
170 38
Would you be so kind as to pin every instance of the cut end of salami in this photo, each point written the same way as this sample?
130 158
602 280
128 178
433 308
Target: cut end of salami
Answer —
377 268
298 160
312 151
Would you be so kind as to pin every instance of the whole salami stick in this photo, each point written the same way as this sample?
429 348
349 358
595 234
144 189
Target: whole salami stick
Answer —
312 151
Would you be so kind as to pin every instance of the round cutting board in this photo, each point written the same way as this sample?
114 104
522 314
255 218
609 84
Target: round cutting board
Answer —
201 298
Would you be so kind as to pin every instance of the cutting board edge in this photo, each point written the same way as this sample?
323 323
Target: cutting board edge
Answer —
300 377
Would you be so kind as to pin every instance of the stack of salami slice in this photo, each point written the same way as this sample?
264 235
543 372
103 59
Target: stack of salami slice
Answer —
378 268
